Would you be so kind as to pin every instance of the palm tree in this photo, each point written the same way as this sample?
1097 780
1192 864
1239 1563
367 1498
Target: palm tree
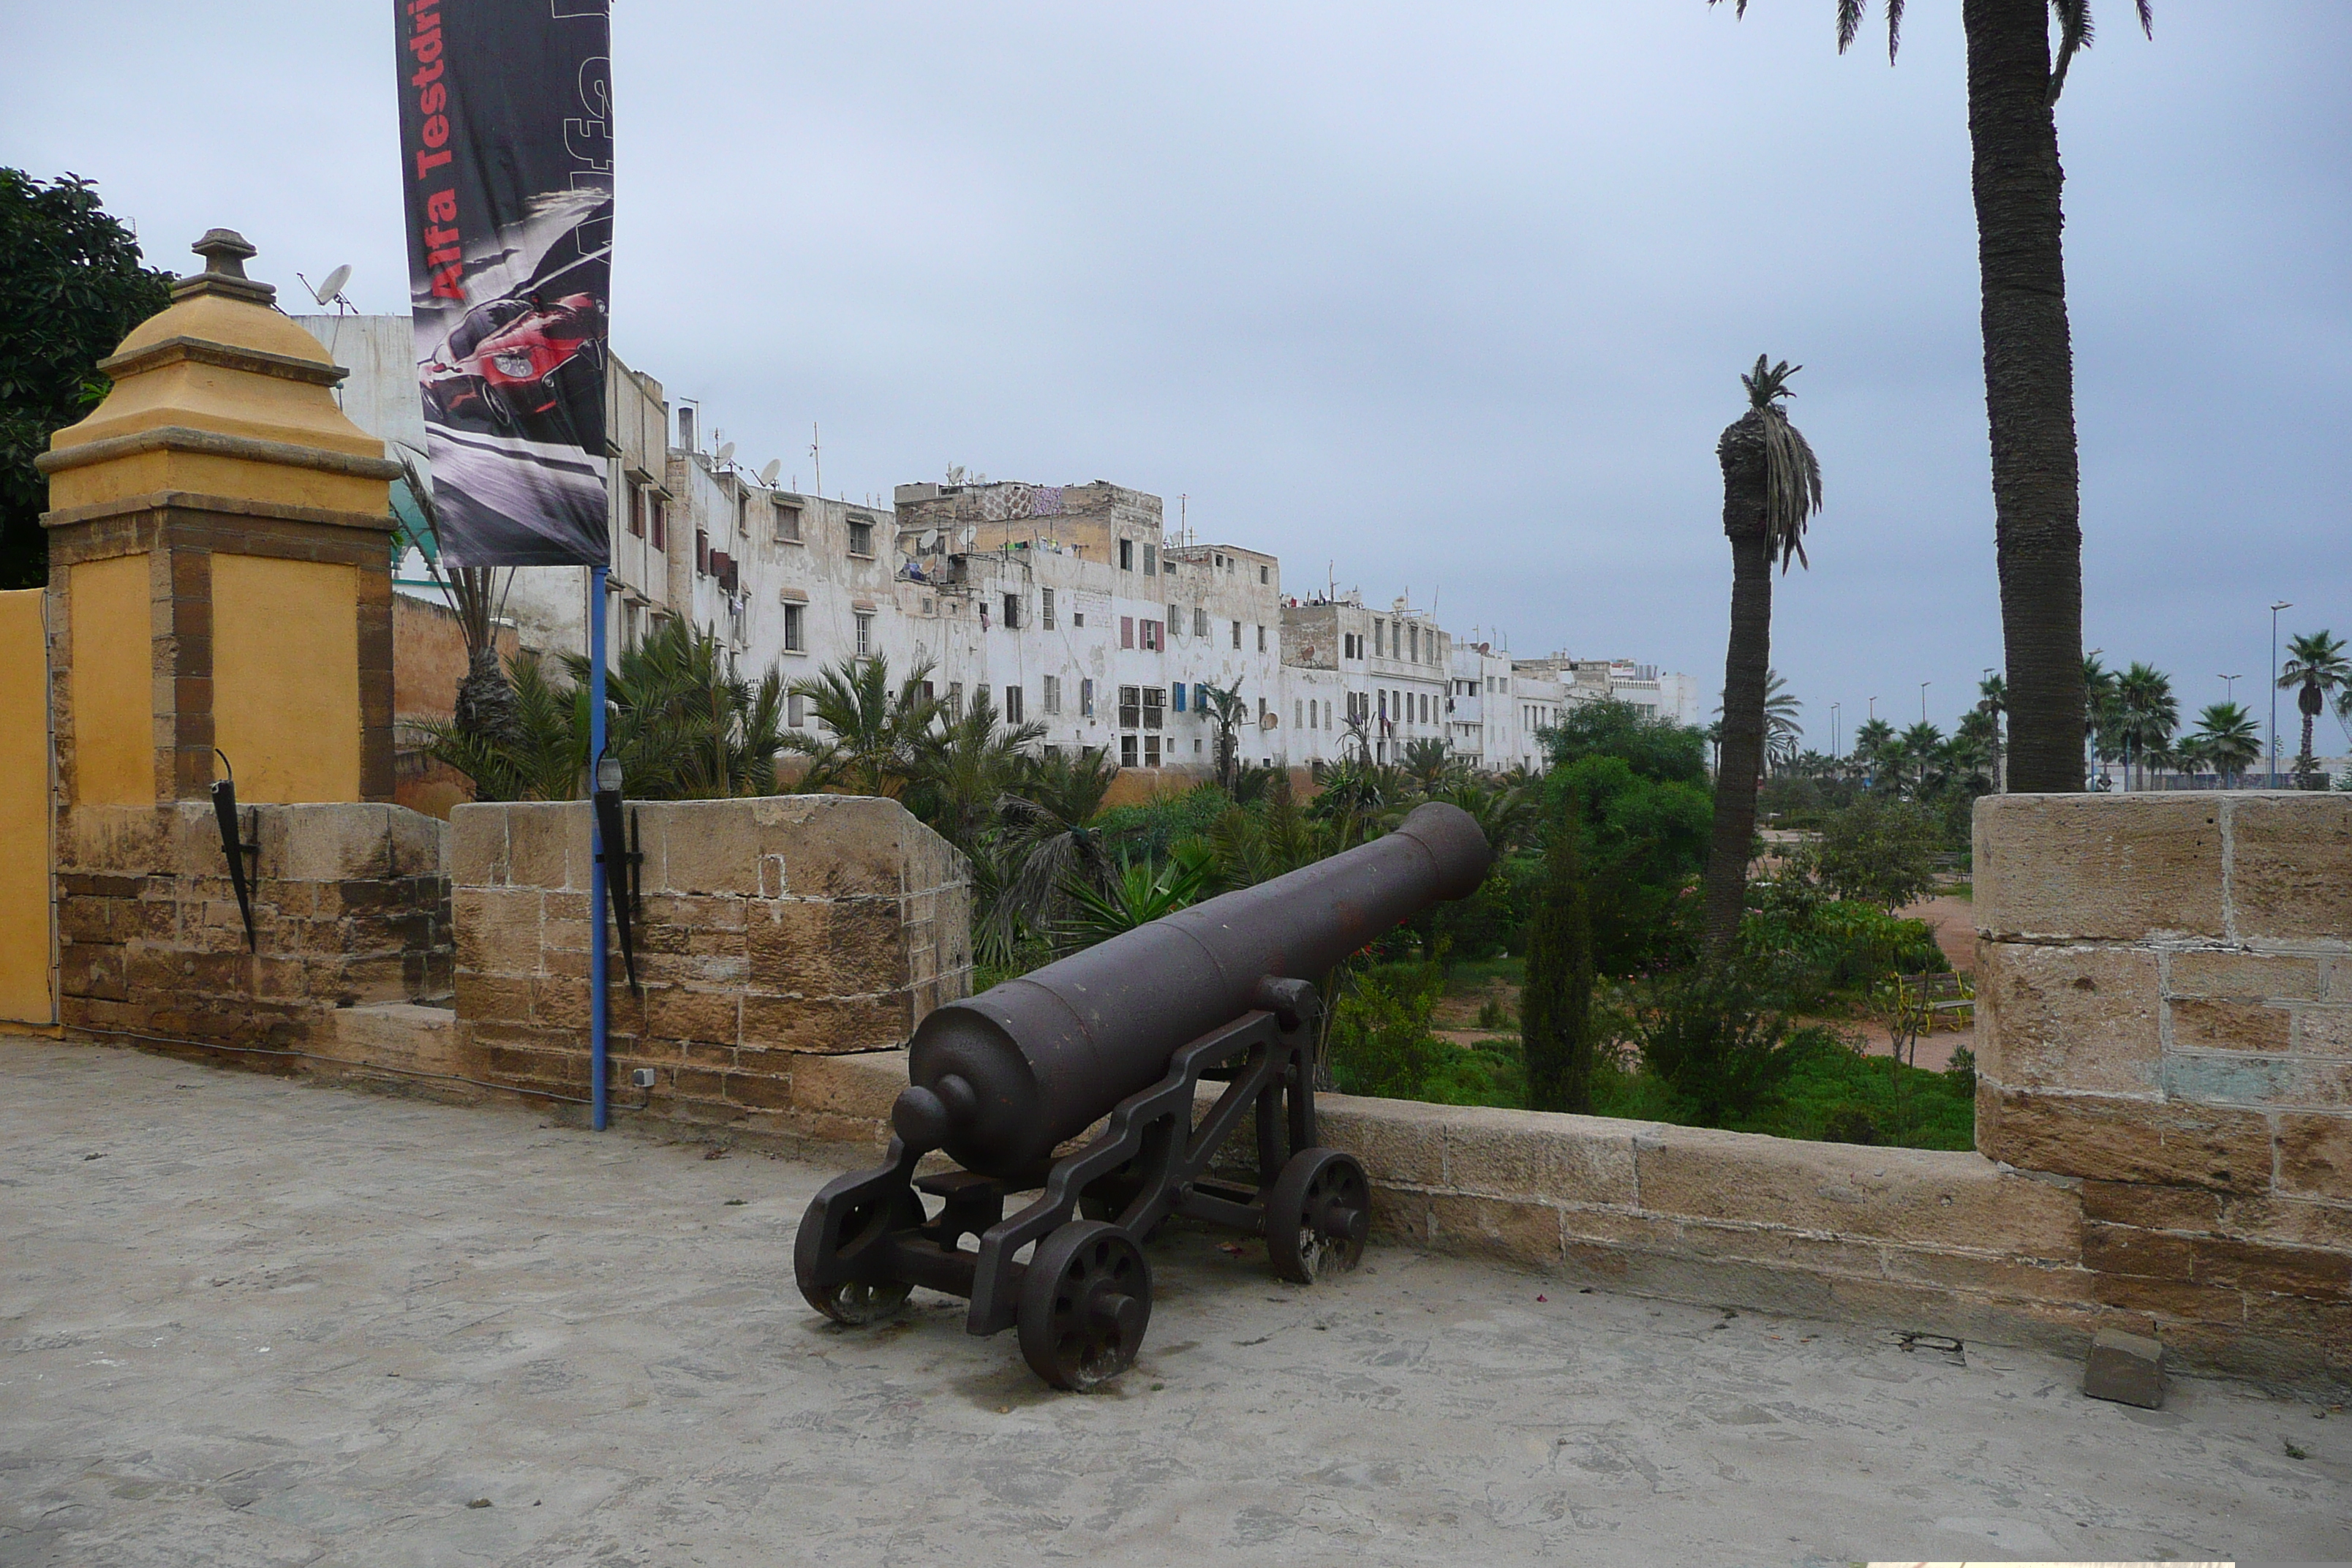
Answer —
1051 844
1426 763
2100 712
2315 666
1771 484
2146 716
1781 730
1874 743
875 736
2013 90
686 725
539 753
1227 712
1920 746
2228 738
963 764
1993 701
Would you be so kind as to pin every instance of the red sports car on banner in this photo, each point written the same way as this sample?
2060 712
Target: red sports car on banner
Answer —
517 362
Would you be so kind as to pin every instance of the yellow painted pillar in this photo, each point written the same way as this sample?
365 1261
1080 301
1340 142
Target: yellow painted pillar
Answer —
27 947
220 568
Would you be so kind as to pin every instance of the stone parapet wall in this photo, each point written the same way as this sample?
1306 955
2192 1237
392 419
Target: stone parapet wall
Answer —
773 930
350 907
2164 1022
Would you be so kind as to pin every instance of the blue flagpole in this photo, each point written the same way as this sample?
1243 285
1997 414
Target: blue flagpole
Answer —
597 979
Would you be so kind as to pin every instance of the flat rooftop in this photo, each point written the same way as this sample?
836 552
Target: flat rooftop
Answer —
258 1321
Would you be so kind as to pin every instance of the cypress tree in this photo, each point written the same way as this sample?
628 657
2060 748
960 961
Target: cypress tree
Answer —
1555 1008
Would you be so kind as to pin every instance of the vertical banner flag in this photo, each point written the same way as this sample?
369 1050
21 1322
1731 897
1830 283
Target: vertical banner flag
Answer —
507 159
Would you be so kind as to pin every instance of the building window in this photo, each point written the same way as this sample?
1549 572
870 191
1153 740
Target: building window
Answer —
1177 692
1078 617
1127 750
1175 622
1237 634
1262 577
1086 699
1012 612
1150 560
637 511
796 711
1126 631
788 524
1127 556
701 553
861 536
1150 637
1013 705
1046 607
954 706
1050 700
1150 750
1131 708
795 628
1155 708
1200 621
864 636
1380 639
659 523
1297 714
1261 639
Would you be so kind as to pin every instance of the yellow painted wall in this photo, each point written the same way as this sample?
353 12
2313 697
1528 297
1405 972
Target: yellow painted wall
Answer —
114 682
25 903
285 676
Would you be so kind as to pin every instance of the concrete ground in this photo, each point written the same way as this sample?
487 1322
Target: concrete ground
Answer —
251 1320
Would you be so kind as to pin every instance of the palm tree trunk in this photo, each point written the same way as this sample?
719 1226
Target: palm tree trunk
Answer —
2028 387
1744 665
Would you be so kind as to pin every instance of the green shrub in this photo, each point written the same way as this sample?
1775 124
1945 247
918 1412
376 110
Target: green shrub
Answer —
1380 1042
1644 841
1821 947
1711 1038
1883 851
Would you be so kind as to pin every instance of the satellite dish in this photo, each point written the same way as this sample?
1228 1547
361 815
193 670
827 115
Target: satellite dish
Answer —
334 284
726 451
969 534
768 475
931 539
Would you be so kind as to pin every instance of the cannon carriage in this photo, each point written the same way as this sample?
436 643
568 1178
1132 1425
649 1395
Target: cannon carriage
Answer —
1126 1032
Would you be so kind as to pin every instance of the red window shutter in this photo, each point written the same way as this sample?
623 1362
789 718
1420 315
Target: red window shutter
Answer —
1126 631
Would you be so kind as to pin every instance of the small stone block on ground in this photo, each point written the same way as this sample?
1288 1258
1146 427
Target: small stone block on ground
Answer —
2125 1368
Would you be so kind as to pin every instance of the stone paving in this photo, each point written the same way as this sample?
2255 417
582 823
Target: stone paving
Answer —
252 1320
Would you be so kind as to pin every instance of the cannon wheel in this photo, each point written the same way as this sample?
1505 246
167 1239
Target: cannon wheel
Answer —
856 1302
1085 1300
1317 1216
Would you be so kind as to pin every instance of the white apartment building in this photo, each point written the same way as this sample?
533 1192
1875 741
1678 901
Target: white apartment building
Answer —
1388 674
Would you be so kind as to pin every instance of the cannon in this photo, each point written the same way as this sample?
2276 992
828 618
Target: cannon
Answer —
1124 1033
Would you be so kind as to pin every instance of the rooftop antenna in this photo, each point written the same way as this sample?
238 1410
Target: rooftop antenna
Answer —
1184 517
768 475
817 456
330 290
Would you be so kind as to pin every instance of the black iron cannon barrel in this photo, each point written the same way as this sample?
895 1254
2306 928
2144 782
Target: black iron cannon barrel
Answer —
1000 1079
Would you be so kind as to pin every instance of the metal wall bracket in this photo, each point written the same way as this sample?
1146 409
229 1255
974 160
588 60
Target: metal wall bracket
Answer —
235 849
622 867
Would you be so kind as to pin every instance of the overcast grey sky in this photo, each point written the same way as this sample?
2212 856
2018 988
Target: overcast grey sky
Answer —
1455 298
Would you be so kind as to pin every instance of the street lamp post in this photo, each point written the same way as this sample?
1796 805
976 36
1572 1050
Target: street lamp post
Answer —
2228 685
1923 699
1835 752
2270 779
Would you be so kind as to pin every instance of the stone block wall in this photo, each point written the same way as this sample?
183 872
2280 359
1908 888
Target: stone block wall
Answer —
2164 1027
350 907
774 930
